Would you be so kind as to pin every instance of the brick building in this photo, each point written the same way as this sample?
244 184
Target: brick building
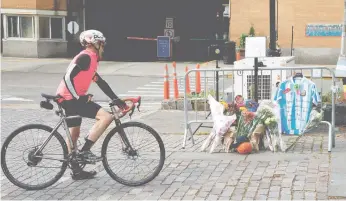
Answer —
38 28
35 28
303 15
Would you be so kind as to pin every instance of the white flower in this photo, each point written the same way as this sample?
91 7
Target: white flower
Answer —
267 121
318 116
273 119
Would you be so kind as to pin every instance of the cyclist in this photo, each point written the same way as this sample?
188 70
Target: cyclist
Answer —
75 100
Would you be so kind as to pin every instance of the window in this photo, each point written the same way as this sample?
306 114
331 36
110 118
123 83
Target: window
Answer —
51 27
20 26
264 87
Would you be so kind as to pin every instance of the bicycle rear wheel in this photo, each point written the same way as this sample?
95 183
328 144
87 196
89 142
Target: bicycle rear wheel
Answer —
152 148
17 167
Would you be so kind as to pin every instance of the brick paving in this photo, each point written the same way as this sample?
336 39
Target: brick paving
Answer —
188 174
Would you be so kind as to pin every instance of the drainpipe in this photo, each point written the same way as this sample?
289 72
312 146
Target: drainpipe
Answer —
55 7
343 41
340 70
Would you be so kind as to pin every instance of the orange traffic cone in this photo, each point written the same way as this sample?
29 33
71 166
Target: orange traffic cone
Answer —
166 84
198 80
175 81
187 84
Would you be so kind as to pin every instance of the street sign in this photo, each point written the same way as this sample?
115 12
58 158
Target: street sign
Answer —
169 23
73 27
169 32
163 46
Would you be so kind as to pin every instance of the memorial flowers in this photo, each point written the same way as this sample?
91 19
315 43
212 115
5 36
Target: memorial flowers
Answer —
268 113
255 121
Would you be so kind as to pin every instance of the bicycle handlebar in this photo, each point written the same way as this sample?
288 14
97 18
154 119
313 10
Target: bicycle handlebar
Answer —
134 101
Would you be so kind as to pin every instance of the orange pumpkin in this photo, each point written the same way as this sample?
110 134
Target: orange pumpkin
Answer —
244 148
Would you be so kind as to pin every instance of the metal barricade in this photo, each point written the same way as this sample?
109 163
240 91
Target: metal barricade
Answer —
240 82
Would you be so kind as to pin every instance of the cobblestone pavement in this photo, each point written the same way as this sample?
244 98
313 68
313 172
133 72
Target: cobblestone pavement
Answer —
188 174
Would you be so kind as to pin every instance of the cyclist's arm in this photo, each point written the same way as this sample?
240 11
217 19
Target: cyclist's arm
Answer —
104 87
82 64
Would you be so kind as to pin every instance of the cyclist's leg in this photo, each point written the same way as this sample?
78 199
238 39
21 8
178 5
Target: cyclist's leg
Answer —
103 119
75 132
72 124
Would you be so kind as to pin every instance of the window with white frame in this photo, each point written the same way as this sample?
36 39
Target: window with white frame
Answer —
20 26
51 27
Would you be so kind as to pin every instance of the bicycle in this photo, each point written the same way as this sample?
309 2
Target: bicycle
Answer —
33 156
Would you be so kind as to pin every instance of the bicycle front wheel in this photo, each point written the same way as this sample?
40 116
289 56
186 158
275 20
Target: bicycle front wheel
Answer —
28 168
138 165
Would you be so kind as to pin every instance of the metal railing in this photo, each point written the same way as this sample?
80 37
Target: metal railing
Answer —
235 81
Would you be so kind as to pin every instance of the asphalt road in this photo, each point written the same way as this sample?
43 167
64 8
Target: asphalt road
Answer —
31 85
26 87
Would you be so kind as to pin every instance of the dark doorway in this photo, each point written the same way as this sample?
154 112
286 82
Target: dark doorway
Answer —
119 19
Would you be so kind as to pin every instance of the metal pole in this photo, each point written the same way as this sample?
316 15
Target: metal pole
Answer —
69 35
185 111
256 79
333 109
292 43
217 81
272 27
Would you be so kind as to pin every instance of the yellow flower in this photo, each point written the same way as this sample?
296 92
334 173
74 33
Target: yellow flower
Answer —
225 105
242 109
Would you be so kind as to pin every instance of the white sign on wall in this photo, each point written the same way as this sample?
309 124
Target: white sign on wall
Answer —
169 23
73 27
255 46
169 32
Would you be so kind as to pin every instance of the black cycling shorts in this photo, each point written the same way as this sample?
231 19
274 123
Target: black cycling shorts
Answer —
75 107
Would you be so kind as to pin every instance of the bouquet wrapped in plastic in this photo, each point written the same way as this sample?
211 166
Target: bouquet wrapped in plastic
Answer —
222 124
245 123
314 120
269 114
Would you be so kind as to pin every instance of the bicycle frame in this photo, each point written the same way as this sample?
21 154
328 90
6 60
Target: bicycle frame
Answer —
63 119
121 133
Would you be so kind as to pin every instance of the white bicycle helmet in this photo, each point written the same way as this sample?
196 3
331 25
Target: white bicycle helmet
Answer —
92 37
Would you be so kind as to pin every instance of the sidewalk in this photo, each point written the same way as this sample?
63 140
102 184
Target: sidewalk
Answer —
151 69
303 172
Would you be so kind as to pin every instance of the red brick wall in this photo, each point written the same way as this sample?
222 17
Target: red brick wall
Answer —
295 13
33 4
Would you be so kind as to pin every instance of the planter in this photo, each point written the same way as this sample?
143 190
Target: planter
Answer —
200 104
192 104
242 53
340 111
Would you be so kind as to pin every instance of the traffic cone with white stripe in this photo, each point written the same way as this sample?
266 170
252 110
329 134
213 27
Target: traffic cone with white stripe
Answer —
175 81
166 84
198 80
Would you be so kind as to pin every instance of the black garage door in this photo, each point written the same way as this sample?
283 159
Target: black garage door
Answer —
119 19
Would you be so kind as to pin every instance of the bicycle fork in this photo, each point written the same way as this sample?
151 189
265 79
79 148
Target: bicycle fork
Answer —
128 148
